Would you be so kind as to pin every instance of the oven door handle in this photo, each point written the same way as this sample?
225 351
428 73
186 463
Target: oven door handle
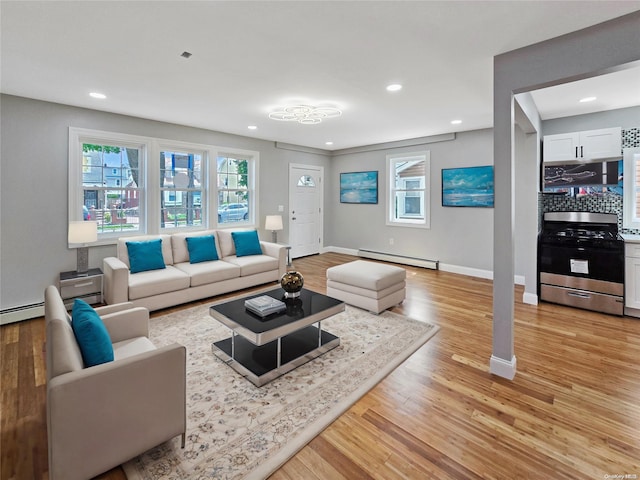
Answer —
579 294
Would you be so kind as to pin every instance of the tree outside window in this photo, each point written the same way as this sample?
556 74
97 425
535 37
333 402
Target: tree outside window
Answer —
233 190
181 189
111 193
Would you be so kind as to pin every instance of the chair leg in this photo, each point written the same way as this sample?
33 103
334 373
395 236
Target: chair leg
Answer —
184 437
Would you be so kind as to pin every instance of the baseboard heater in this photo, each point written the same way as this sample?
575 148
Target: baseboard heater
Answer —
389 257
25 312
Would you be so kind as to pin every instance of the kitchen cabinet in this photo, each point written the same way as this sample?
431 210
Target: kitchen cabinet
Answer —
632 278
583 146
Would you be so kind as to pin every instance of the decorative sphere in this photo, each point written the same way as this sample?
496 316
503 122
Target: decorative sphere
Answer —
292 282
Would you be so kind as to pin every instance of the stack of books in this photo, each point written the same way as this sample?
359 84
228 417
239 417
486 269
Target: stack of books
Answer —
264 305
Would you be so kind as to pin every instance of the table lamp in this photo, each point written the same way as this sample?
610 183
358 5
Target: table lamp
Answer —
82 233
273 223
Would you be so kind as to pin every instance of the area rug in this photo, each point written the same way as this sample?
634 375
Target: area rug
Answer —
237 430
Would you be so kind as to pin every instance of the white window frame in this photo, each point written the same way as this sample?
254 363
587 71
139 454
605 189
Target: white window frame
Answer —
150 148
253 164
169 146
78 136
424 192
631 189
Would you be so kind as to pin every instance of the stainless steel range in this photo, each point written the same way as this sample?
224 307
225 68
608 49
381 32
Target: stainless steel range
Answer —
581 261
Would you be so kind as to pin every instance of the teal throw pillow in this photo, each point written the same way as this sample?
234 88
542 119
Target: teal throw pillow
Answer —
247 243
202 249
145 255
91 334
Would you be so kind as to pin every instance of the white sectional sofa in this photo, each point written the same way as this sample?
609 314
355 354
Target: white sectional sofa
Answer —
181 281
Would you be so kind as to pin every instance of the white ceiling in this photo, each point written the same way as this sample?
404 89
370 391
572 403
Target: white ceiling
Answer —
252 57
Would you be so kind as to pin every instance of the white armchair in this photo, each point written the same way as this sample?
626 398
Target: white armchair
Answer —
102 416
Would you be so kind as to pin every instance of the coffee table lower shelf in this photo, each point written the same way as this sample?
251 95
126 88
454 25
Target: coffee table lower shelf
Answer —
259 363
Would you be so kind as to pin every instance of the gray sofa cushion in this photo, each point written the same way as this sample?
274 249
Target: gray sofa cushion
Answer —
179 244
225 241
132 346
156 282
123 253
253 264
209 272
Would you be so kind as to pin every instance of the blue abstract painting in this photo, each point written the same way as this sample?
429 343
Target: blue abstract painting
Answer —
467 187
359 187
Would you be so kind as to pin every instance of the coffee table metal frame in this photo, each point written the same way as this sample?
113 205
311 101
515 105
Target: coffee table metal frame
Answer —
293 343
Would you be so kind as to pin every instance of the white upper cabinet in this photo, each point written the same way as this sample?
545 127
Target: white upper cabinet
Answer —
583 146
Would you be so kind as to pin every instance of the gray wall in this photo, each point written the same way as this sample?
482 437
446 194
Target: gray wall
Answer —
34 193
458 237
34 186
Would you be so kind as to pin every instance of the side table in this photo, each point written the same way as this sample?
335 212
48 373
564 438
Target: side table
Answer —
86 286
288 247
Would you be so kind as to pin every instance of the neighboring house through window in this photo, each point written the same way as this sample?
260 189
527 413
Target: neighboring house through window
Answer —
181 176
117 180
235 189
408 192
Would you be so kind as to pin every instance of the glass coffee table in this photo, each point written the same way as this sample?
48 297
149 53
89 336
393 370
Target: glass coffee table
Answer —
262 349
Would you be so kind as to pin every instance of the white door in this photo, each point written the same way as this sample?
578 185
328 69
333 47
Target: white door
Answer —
305 209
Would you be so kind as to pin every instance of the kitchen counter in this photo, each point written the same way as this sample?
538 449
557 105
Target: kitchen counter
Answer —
630 238
631 274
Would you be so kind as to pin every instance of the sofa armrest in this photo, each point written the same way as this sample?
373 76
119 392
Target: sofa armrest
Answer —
278 251
116 280
130 323
119 409
116 307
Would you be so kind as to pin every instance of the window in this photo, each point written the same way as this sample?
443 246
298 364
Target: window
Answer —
631 188
181 175
306 181
135 185
408 193
110 186
234 190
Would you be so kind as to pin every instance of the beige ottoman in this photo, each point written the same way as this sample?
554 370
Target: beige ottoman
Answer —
372 286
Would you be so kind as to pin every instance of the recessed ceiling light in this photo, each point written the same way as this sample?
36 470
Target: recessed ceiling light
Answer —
394 87
101 96
587 99
186 54
456 122
328 143
252 127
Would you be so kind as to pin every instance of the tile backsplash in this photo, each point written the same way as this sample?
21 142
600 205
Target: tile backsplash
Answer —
604 203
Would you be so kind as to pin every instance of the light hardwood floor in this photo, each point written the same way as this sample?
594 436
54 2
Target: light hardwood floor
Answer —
572 411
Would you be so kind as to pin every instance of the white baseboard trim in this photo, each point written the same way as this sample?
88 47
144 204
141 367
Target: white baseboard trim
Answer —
470 272
21 313
445 267
503 368
530 298
344 251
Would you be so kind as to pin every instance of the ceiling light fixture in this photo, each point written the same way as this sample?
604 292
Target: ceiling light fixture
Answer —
97 95
328 143
587 99
252 127
186 54
305 114
456 122
394 87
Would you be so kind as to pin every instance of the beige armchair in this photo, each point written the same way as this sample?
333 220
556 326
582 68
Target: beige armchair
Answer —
102 416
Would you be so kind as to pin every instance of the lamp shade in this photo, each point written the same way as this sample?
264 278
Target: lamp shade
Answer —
273 223
83 232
